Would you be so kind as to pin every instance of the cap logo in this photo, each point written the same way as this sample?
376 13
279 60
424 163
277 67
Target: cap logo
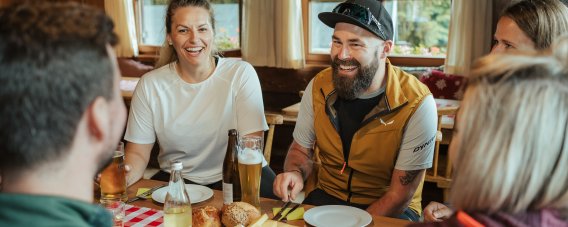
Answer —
361 14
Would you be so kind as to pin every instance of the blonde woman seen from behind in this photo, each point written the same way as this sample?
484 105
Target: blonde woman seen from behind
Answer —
524 25
510 148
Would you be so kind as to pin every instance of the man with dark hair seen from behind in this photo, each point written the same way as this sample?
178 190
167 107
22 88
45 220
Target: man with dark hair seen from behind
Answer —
374 124
61 112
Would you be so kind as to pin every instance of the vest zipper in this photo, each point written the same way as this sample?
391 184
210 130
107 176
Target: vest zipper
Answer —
343 168
349 186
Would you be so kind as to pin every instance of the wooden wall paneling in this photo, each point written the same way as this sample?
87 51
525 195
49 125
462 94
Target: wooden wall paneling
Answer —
281 87
96 3
5 2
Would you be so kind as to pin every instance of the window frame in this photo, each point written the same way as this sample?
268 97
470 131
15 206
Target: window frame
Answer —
325 59
151 53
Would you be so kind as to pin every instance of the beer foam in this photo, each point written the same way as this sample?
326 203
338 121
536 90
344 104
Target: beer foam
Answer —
249 157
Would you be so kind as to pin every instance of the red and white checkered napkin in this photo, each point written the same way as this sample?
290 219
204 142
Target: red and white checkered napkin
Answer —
142 216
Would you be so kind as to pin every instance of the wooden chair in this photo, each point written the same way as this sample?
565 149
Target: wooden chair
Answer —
272 120
443 180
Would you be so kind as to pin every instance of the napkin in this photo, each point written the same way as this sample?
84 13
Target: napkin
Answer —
142 190
296 215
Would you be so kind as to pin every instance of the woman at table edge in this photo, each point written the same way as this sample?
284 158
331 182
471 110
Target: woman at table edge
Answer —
516 30
191 100
510 148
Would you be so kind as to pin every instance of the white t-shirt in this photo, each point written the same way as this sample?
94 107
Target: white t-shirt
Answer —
417 148
191 121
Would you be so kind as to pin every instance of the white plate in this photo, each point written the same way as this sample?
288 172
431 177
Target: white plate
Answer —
197 193
337 215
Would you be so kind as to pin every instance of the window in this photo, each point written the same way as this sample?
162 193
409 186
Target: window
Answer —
420 29
421 26
152 30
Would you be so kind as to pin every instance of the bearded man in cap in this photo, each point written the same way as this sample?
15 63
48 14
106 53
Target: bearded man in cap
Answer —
373 124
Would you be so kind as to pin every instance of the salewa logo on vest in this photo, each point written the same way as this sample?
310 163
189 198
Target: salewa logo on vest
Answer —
385 124
424 145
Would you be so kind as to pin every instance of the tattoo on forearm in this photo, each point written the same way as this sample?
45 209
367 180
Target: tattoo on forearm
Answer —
409 177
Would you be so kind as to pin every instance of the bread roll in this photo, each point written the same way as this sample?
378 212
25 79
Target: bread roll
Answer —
206 216
239 213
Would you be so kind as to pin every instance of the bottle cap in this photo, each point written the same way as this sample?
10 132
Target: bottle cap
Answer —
177 165
232 132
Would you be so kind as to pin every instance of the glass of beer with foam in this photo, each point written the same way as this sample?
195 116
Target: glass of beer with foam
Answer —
113 177
250 168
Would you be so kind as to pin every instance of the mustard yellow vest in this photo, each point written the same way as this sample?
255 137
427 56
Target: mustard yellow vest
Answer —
375 146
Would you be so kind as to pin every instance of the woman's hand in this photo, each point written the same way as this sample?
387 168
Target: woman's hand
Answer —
437 212
127 169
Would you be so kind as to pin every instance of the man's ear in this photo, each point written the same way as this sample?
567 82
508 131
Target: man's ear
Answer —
97 115
387 48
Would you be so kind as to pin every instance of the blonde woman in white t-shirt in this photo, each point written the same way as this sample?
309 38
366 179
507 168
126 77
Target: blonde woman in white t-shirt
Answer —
191 100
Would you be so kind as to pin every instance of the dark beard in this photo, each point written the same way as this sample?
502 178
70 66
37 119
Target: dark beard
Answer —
350 88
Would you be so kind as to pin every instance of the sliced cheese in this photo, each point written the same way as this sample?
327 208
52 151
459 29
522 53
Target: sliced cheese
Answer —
259 221
270 223
282 224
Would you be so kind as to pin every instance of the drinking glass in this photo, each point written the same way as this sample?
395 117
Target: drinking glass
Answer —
250 168
113 177
116 208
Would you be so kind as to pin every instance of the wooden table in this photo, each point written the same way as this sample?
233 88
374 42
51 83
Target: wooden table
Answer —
266 205
292 110
127 85
447 121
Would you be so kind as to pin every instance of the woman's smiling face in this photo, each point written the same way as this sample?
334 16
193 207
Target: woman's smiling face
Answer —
192 35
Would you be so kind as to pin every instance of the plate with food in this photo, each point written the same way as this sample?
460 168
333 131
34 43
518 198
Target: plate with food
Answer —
197 193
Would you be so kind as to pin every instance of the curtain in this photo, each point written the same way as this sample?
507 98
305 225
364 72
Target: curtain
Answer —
273 35
470 34
122 13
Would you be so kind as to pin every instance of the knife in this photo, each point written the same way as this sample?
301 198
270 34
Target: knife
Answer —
146 193
279 214
285 218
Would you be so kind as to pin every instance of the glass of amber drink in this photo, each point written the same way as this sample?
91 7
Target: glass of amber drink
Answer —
250 168
113 177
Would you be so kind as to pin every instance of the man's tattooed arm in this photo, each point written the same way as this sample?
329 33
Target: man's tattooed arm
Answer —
409 176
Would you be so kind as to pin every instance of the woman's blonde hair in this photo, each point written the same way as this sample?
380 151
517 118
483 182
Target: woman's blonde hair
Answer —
512 154
167 51
541 20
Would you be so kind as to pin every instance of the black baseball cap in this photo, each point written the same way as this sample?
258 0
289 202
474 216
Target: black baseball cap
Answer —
368 14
